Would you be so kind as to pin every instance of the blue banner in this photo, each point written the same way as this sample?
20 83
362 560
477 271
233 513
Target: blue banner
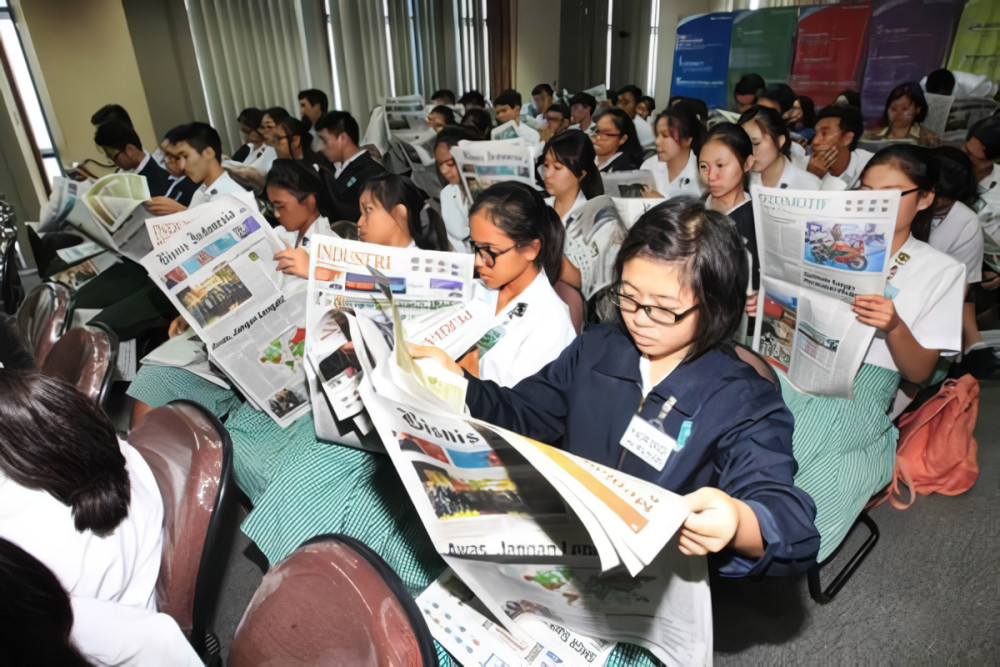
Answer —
701 58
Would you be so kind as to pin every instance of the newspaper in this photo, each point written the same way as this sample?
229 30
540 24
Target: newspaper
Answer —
483 163
218 271
593 236
79 252
553 545
405 113
630 210
185 351
64 205
817 251
986 208
628 184
505 131
83 272
116 217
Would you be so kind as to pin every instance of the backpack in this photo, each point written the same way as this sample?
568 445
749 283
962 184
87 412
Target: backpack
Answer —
937 449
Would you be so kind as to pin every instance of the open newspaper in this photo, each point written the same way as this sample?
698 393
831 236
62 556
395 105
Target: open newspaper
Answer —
817 251
630 210
351 285
552 544
593 236
484 163
628 184
989 222
217 270
405 113
117 215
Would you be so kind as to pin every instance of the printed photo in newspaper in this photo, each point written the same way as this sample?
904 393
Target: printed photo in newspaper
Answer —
481 164
627 184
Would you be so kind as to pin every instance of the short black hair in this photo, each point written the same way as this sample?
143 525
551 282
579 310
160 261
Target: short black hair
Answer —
509 97
542 88
781 93
315 96
251 117
479 120
586 99
940 82
447 95
111 112
650 102
850 120
987 132
473 97
708 248
633 90
199 136
277 114
116 135
749 84
172 134
561 108
696 105
301 179
447 112
336 122
955 179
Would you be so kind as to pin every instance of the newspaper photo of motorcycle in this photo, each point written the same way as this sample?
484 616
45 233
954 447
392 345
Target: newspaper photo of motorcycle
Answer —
844 246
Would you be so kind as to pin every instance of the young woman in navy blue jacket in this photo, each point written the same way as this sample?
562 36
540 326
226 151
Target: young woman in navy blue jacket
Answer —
661 395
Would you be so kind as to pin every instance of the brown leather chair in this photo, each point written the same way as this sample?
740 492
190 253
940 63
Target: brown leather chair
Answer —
332 601
191 456
573 298
44 317
85 357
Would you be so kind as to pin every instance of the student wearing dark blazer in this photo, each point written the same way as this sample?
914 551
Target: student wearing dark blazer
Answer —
352 166
121 144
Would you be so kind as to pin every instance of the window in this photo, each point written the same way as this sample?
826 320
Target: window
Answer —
654 41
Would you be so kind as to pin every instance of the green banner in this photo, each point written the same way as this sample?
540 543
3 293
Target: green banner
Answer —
977 42
763 42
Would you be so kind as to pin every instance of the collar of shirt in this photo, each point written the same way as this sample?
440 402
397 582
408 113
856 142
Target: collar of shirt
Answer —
339 168
142 165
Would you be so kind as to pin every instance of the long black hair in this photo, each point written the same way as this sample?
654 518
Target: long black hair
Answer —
520 212
771 124
713 264
919 165
684 118
301 179
736 140
55 439
955 179
909 89
574 150
631 148
425 224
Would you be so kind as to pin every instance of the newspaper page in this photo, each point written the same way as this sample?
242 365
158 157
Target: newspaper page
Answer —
817 251
985 206
630 210
218 272
405 113
83 272
627 184
593 236
67 195
484 163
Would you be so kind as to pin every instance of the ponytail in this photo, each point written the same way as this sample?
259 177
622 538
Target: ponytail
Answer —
426 225
55 439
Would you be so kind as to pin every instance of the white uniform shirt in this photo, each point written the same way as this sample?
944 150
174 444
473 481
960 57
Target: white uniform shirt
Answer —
223 185
791 178
643 132
455 213
122 567
535 327
849 178
686 183
261 158
573 211
927 290
527 133
958 234
319 226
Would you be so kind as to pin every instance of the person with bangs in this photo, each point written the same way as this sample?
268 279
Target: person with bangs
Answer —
905 109
301 206
454 201
772 165
679 136
615 142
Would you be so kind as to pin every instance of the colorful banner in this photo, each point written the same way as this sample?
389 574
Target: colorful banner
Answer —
977 40
763 42
701 58
908 40
830 51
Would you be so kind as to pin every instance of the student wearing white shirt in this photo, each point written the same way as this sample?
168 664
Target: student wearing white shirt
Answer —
508 107
313 104
569 174
300 203
454 202
199 145
615 144
181 187
542 97
395 212
82 502
518 243
581 110
836 159
772 165
679 135
628 99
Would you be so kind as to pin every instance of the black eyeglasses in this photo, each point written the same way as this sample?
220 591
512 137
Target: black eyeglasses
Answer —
657 314
488 255
902 193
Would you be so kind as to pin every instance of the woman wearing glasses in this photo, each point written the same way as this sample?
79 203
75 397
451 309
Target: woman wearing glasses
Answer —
615 142
665 372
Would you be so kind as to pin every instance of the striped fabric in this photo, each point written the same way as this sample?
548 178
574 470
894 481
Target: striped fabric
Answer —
158 385
845 449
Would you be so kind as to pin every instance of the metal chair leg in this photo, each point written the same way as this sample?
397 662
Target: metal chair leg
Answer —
815 588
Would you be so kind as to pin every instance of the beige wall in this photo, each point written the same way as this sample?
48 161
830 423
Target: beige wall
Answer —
84 55
536 43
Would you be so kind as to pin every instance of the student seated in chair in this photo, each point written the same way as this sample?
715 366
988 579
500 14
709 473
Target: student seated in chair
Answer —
199 145
352 165
181 187
122 146
508 107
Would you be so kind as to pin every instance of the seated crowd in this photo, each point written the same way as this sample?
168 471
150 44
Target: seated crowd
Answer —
669 294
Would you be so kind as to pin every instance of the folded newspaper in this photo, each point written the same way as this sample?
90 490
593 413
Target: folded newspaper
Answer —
117 214
817 251
566 553
593 236
484 163
214 263
628 184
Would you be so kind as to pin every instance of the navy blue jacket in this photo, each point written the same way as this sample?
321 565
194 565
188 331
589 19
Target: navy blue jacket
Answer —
739 439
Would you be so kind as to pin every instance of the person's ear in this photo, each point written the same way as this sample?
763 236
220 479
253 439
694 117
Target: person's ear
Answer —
748 165
924 199
530 251
209 154
310 202
781 142
622 139
579 179
846 138
401 215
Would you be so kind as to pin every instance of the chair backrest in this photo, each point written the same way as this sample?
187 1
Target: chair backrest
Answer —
190 454
758 363
332 601
44 317
573 298
85 357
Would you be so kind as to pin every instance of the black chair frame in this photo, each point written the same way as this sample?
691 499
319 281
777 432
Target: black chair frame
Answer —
816 590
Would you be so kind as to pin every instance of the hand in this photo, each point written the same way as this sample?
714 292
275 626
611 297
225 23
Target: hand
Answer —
821 161
991 281
877 311
649 192
177 326
751 306
293 261
712 524
432 352
163 206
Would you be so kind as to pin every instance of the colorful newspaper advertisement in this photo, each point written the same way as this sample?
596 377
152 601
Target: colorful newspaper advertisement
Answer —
483 163
593 235
628 184
218 272
817 251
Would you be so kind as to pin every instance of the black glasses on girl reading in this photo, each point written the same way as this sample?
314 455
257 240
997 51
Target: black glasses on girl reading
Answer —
657 314
487 254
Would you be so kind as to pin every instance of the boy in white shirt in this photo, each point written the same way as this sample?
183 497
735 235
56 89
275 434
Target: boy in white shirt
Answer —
508 107
836 159
628 98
